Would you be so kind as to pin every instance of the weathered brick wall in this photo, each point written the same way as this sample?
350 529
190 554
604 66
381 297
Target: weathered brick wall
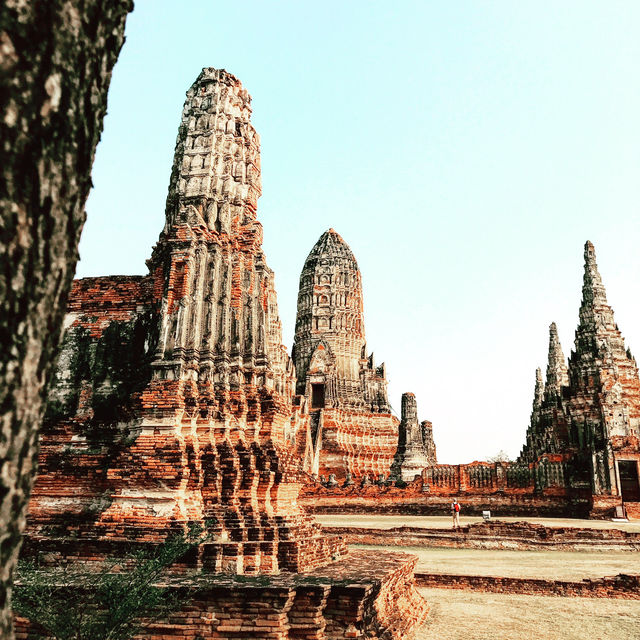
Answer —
494 535
357 442
412 499
103 367
620 586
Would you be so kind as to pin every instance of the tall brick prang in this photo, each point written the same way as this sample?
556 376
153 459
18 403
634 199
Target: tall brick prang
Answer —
351 430
212 383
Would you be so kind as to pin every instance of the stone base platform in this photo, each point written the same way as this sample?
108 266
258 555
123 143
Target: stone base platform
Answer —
494 535
362 596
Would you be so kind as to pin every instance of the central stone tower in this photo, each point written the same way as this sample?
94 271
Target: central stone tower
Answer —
352 430
219 400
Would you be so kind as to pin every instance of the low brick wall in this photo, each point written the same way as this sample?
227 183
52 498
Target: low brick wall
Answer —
411 500
621 586
494 535
357 597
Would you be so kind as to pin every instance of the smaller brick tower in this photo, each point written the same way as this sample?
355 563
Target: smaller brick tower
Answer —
416 449
351 428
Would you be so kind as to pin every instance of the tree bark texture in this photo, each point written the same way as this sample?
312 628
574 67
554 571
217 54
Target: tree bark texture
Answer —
56 58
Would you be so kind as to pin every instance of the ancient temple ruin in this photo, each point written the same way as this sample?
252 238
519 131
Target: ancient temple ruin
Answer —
582 451
589 410
173 405
351 428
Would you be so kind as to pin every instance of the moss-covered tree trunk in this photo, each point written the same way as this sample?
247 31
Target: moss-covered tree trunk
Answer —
56 58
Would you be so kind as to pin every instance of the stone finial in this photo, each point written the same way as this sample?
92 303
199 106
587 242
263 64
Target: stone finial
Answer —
409 409
557 375
593 291
597 327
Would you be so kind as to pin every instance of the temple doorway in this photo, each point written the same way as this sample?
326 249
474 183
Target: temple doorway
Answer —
629 486
317 396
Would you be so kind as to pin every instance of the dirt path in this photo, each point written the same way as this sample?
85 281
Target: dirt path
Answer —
466 615
554 565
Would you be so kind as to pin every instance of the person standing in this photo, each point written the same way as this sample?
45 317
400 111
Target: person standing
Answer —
455 513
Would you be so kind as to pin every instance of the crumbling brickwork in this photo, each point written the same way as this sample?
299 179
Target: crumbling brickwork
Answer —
620 586
355 598
495 534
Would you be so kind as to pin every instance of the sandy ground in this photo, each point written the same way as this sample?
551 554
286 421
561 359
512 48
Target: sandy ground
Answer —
553 565
469 615
436 522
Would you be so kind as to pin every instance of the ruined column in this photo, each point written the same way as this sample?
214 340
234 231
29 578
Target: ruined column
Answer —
415 450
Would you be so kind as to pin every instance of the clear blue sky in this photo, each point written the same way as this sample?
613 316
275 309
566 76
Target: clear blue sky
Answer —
464 150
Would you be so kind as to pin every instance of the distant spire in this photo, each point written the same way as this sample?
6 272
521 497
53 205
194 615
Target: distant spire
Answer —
593 291
539 390
557 375
533 429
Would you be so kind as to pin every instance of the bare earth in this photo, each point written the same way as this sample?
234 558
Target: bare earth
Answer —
470 615
553 565
475 615
437 522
